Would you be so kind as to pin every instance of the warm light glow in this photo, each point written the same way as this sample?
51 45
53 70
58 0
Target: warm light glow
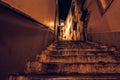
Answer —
67 27
62 23
103 3
51 24
42 11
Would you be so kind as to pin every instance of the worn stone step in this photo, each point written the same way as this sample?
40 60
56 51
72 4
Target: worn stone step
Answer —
83 45
82 49
100 67
78 52
76 46
63 76
70 57
78 58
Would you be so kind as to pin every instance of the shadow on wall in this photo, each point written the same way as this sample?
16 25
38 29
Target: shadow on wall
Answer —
108 38
104 28
20 41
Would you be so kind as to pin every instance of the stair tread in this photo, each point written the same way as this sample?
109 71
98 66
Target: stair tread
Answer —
71 76
82 63
83 58
82 50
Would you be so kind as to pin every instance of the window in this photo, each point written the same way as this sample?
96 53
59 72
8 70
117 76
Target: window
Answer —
104 5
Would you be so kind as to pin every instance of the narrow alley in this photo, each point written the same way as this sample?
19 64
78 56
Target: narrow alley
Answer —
59 40
74 60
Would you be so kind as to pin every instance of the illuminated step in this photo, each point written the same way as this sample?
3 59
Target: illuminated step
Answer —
82 49
78 58
86 45
87 67
74 52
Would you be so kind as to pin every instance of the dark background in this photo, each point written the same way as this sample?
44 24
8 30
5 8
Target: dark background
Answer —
64 6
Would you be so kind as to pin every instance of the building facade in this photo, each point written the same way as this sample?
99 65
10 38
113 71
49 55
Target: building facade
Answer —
94 20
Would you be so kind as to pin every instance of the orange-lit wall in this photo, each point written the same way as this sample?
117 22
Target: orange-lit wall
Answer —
104 28
20 40
68 27
71 34
41 10
79 23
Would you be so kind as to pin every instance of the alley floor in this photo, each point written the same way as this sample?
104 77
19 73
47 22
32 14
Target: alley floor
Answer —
74 60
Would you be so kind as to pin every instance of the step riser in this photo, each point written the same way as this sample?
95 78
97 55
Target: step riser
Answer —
63 78
77 59
82 48
75 68
84 68
94 53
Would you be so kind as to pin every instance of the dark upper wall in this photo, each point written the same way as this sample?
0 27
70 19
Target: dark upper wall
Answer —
104 28
20 40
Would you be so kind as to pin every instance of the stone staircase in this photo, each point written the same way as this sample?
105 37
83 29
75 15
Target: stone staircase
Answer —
74 60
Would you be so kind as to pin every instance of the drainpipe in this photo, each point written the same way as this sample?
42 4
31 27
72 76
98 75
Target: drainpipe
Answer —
56 20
